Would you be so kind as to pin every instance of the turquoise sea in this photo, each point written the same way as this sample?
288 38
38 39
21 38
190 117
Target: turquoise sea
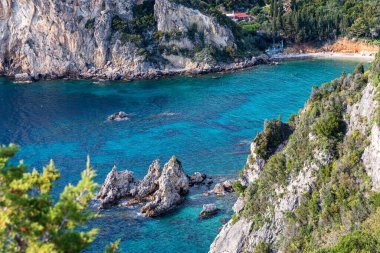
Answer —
207 122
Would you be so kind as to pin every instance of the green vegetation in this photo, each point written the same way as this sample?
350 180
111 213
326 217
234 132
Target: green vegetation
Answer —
238 187
275 132
329 125
248 41
30 221
339 212
303 20
311 20
140 28
262 247
90 24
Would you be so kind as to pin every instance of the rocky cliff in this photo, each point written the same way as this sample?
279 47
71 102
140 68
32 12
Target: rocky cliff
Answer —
316 189
108 39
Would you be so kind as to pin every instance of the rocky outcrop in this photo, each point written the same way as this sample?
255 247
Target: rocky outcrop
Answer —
174 17
362 111
208 211
172 185
232 237
371 158
221 189
23 78
118 116
83 39
150 182
197 178
117 185
159 191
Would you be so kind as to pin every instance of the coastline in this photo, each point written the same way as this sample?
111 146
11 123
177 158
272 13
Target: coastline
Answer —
152 74
323 55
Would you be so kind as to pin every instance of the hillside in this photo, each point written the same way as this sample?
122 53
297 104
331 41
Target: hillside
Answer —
115 39
312 184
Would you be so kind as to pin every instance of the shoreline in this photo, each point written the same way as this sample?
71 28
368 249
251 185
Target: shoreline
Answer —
324 55
154 74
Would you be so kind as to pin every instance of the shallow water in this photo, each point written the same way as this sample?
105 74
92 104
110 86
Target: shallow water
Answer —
207 123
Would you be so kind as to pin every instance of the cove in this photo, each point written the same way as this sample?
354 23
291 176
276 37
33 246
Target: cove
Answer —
206 122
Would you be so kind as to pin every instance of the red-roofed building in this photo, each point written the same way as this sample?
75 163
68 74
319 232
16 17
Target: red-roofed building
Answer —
240 16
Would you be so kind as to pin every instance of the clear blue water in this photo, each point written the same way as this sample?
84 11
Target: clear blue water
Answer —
214 121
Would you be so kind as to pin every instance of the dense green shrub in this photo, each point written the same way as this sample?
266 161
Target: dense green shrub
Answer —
357 241
329 126
90 24
262 247
359 69
275 132
238 187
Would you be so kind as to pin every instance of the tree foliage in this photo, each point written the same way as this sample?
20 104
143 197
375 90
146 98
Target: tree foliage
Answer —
30 221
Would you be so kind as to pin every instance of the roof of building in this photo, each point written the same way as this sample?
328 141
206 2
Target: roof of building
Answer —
241 15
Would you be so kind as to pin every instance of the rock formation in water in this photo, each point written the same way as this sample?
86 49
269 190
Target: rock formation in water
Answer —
197 178
159 191
118 116
313 183
116 186
111 39
208 210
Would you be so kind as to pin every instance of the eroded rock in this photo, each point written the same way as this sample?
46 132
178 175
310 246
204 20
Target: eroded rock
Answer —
159 191
23 78
173 184
197 178
219 189
208 211
116 186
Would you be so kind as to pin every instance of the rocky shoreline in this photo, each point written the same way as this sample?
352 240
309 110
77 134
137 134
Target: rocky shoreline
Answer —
201 69
110 74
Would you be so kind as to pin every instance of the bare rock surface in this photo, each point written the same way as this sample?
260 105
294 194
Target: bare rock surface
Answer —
197 178
208 211
371 158
77 39
159 191
116 186
172 185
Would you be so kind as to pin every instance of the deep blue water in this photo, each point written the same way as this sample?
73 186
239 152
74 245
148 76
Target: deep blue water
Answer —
214 120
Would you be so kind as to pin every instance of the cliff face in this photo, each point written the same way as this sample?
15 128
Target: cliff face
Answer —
318 188
104 38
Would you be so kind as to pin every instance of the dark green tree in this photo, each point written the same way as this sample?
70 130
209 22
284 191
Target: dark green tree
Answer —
30 221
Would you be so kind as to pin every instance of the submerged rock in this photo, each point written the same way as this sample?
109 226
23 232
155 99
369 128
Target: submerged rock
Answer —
208 210
118 116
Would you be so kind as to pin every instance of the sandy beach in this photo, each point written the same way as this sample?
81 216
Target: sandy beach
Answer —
336 55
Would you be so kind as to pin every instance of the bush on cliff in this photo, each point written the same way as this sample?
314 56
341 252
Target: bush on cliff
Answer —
275 132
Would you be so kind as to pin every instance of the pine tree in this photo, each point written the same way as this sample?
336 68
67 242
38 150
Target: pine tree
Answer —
30 221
